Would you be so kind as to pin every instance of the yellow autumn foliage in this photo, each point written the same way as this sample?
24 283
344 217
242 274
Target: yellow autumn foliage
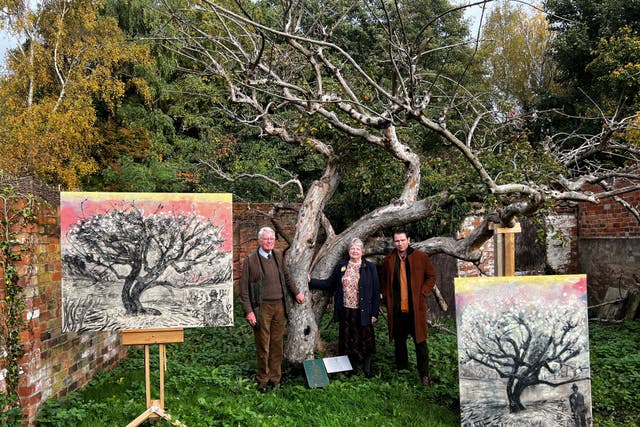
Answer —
73 60
53 145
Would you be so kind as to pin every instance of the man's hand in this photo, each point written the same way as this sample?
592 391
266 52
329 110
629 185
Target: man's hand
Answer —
300 298
373 319
251 318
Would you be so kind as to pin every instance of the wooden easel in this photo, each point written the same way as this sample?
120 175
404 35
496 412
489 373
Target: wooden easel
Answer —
505 250
147 337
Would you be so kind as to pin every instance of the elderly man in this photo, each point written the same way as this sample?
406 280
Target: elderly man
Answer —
407 278
263 286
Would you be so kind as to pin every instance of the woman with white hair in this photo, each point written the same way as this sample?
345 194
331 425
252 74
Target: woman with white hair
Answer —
356 289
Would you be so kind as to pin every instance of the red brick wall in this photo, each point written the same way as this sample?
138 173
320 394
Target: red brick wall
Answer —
248 219
486 265
609 245
609 218
54 363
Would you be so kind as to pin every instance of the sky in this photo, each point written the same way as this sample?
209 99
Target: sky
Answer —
5 43
473 14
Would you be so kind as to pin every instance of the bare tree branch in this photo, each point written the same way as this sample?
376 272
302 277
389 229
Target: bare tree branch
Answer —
218 171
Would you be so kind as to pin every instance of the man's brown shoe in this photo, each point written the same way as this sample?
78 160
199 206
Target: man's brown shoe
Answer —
263 387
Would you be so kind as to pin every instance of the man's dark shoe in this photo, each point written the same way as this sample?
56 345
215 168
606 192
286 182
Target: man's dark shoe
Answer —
274 384
426 381
263 387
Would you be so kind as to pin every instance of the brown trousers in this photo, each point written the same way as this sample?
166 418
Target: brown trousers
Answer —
269 338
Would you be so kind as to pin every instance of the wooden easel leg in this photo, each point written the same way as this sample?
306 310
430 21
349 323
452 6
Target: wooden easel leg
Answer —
509 254
505 250
162 355
499 254
147 375
154 412
155 408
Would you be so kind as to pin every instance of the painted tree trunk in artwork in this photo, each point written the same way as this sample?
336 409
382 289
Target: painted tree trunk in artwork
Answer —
514 393
129 303
134 286
131 292
138 288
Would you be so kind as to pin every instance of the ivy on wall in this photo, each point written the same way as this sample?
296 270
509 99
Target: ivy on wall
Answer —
17 212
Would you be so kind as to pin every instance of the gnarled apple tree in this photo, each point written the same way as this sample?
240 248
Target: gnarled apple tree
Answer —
391 80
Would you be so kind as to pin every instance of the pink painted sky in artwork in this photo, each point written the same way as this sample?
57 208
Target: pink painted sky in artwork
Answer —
542 289
217 207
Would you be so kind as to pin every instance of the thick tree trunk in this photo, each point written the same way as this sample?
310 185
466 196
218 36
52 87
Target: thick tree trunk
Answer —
514 392
132 289
131 292
302 331
302 328
129 304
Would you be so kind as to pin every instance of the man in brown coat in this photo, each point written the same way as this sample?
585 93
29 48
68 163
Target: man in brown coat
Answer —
263 286
407 278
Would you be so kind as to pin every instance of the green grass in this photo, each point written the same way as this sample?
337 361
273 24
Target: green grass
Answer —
210 382
615 367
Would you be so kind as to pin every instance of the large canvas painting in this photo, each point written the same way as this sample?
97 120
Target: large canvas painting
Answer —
146 260
523 348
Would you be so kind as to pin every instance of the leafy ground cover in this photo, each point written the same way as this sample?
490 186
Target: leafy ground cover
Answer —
209 382
615 367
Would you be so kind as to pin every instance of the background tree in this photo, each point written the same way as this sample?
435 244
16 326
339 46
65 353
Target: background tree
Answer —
515 48
588 85
144 250
616 63
411 108
72 64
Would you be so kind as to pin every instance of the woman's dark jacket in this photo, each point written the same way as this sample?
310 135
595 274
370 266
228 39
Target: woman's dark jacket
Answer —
368 290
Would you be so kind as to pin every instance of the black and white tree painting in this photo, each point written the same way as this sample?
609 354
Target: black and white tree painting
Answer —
523 347
146 260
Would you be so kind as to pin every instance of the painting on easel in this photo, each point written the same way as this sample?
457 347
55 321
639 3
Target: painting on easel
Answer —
146 260
523 349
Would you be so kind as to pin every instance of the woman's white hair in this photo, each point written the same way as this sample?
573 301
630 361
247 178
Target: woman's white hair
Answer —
357 242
